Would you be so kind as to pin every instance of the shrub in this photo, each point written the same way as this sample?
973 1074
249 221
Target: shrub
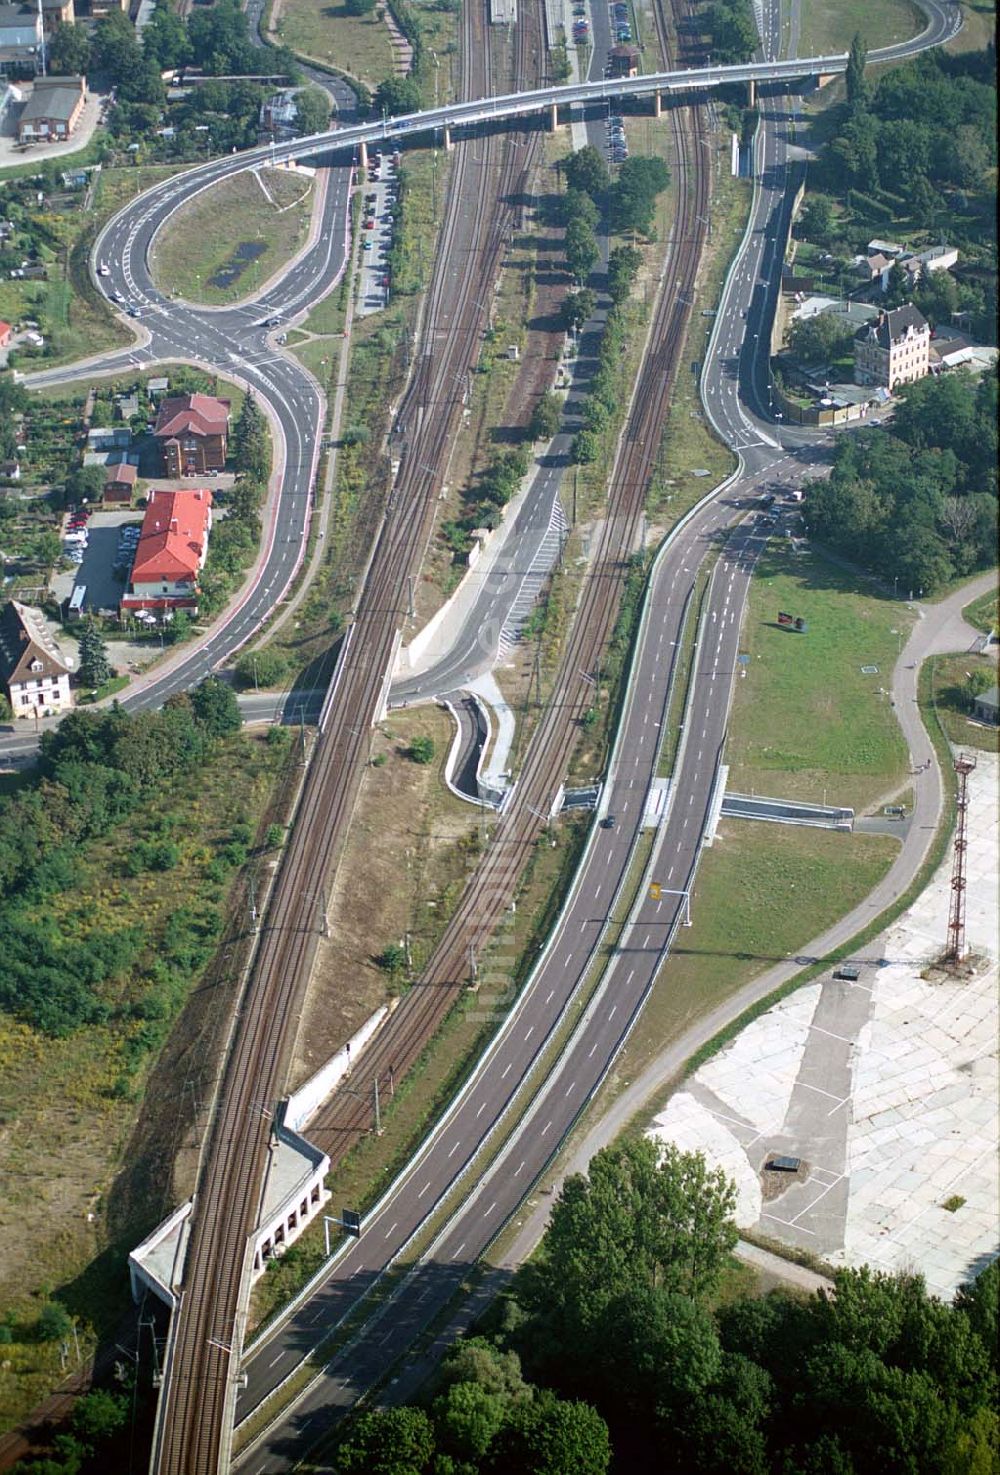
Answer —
421 750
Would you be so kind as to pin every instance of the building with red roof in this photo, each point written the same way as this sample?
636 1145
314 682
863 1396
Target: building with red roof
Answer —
5 334
192 430
171 551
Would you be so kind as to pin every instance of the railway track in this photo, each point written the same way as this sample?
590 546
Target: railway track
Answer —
195 1415
492 887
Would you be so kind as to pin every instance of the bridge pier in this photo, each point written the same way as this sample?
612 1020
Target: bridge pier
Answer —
553 118
751 93
657 104
447 138
825 77
363 155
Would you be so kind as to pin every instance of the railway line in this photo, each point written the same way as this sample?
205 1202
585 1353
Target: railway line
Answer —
491 889
195 1414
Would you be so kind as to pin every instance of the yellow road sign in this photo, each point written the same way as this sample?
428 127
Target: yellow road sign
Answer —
655 890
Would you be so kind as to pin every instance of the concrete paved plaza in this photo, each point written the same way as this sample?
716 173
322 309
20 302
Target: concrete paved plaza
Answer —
885 1088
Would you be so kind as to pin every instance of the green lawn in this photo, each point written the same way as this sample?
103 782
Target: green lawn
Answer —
948 677
358 45
828 26
196 255
762 892
806 722
982 612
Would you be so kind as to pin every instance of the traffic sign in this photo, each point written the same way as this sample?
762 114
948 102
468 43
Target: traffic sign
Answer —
351 1221
655 890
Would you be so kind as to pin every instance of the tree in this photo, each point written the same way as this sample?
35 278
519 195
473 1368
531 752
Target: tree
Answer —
577 308
99 1414
552 1436
421 750
251 447
733 30
857 88
215 707
397 95
576 204
646 1215
359 7
820 339
395 1441
165 39
975 683
979 1303
115 49
623 267
69 51
632 198
467 1418
95 668
816 222
581 249
586 170
546 417
312 110
268 667
585 448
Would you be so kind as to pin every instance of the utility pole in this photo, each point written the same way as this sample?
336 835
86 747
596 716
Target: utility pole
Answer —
537 672
956 949
378 1110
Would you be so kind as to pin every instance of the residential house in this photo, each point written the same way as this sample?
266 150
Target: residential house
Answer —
109 438
119 485
892 349
192 430
126 405
885 248
21 39
56 13
33 672
874 267
172 549
157 387
10 470
53 110
6 332
279 117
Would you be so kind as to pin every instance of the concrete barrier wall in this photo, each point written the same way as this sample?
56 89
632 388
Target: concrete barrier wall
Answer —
307 1098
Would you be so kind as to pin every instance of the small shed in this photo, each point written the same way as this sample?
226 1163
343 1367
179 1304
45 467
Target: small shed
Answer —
986 707
119 488
624 61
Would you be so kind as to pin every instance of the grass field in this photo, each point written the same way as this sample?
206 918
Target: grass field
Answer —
830 25
69 1106
982 612
200 255
979 28
806 722
689 444
358 45
762 892
947 679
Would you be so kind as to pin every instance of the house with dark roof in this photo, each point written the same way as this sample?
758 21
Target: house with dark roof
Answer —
53 110
192 431
987 707
893 349
32 670
171 552
119 484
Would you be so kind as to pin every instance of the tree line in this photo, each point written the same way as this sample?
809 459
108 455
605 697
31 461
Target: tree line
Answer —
917 503
614 1350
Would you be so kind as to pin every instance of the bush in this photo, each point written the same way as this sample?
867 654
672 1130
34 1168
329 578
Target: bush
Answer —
53 1322
267 667
274 836
421 750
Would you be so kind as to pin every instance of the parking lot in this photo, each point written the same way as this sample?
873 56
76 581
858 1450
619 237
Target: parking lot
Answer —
378 203
101 568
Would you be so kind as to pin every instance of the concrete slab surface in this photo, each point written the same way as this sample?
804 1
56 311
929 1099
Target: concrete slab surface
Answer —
885 1088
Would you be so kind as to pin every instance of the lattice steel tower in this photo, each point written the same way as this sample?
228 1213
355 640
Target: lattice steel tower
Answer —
955 953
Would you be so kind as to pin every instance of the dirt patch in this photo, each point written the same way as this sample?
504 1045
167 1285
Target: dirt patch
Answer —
411 846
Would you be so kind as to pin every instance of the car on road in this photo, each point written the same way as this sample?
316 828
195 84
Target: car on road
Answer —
133 312
104 269
608 822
